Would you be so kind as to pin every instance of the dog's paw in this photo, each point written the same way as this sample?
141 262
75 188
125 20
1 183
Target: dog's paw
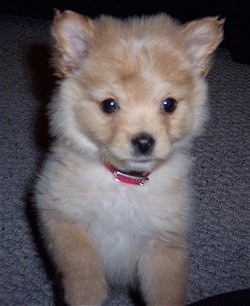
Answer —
86 292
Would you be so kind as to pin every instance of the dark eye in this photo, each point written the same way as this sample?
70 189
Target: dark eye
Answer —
169 105
109 106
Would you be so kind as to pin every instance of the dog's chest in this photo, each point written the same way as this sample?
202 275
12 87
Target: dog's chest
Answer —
120 230
121 220
120 213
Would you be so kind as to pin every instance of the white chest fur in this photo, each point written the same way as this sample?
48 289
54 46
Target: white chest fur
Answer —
122 220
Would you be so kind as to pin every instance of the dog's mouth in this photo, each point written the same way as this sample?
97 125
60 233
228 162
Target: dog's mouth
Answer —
140 164
133 160
132 166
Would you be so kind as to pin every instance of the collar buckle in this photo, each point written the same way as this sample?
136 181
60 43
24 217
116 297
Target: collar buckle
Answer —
132 179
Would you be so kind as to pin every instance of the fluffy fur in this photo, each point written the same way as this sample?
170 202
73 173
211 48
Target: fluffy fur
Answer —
99 230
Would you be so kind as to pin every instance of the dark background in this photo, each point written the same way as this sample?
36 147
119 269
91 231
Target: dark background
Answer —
237 13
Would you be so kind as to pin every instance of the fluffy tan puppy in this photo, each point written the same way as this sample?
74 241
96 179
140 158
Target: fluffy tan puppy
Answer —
113 195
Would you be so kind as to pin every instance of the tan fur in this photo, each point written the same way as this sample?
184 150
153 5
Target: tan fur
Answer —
72 249
99 230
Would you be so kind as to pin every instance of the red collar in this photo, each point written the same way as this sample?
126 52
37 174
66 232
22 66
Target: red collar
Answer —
133 178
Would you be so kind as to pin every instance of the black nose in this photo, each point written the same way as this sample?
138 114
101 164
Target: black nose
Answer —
143 143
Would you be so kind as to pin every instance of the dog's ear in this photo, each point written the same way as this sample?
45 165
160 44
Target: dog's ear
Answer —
201 37
71 33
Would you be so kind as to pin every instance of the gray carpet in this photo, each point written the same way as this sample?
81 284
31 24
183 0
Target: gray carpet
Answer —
219 246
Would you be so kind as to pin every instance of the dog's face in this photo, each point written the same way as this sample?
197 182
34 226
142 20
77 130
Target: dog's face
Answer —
132 91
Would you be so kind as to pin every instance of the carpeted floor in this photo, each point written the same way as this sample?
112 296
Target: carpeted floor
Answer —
220 241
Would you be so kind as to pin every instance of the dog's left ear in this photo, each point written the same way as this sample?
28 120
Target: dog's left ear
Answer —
71 33
201 37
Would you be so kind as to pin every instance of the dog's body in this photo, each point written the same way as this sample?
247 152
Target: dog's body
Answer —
131 99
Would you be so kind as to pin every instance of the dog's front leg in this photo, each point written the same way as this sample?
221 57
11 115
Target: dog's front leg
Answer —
162 274
78 261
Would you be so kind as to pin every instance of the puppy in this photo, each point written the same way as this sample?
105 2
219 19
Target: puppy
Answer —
113 195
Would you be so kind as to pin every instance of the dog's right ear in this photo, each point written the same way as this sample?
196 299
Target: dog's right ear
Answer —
71 33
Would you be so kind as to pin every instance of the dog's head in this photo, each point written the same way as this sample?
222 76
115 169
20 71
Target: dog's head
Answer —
132 91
